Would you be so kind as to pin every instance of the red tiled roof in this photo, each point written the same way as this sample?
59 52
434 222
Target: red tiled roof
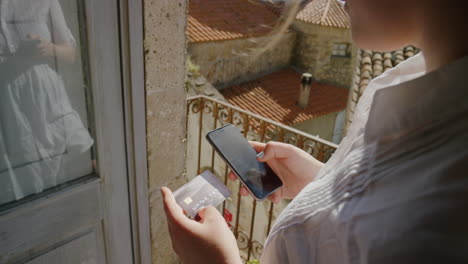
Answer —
276 7
328 13
371 64
212 20
274 96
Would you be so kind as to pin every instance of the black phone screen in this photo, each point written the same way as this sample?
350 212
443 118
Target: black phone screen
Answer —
258 177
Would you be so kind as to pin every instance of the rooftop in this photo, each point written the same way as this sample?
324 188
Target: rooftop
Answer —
276 7
328 13
274 96
215 20
372 64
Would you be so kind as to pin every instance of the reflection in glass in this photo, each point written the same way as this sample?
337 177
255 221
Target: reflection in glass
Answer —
43 138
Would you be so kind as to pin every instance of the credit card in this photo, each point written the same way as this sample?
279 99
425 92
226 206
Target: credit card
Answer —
204 190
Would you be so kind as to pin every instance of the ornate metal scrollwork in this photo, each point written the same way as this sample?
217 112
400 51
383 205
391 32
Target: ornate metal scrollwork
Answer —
257 249
290 138
194 105
238 119
310 146
224 114
242 240
244 260
328 152
209 107
252 136
271 133
256 125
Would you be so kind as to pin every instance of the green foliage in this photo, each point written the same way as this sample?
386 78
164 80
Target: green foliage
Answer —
254 261
192 68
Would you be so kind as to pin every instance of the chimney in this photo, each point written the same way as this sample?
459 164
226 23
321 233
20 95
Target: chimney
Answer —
304 93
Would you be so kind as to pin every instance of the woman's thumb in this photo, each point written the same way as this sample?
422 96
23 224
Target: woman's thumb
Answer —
208 214
268 152
274 150
260 156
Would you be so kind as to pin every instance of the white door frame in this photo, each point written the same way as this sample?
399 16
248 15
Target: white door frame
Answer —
104 46
131 17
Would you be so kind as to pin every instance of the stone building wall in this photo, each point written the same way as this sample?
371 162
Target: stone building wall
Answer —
322 126
230 61
313 53
165 53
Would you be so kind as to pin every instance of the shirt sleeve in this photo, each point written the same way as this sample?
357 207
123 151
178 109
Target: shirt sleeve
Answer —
296 243
275 251
434 228
59 29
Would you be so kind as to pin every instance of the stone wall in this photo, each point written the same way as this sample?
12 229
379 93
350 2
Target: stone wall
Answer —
322 126
230 61
165 53
313 53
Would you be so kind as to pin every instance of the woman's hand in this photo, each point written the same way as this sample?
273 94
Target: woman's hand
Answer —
46 48
295 167
208 241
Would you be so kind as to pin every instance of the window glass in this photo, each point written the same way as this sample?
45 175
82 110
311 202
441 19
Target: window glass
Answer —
46 136
340 49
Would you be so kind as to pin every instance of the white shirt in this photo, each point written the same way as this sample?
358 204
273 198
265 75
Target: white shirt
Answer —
396 189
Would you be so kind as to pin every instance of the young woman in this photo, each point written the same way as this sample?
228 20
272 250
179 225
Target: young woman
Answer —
396 189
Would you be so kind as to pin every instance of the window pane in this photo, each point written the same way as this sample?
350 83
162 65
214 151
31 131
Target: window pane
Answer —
45 126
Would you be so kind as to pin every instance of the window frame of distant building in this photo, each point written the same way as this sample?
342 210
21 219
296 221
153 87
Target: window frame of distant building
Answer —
341 49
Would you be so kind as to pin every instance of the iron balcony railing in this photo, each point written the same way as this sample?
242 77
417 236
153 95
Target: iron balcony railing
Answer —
249 220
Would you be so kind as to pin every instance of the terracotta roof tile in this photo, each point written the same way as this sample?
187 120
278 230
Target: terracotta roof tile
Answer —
214 20
274 96
328 13
276 7
372 64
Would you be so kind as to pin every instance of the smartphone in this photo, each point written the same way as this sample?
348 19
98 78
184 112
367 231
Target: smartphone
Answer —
240 156
28 47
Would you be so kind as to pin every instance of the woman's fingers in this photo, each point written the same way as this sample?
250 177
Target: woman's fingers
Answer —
171 208
232 176
276 150
258 146
209 214
275 197
174 212
267 151
243 191
33 36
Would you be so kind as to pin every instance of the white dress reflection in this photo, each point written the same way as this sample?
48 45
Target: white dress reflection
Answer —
37 123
